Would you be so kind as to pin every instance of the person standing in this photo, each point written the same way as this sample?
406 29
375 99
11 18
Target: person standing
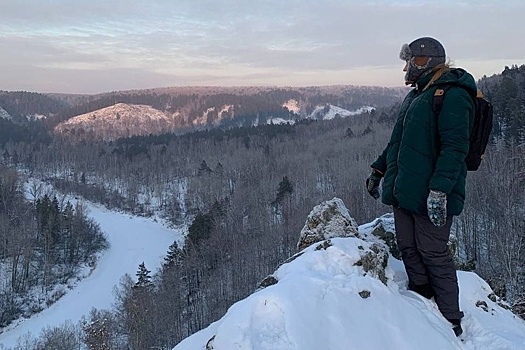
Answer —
424 172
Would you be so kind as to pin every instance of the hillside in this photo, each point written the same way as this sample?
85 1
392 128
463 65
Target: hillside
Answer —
132 240
346 292
29 104
125 120
187 108
120 120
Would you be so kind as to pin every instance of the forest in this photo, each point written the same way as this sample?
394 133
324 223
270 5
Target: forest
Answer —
247 103
44 242
247 193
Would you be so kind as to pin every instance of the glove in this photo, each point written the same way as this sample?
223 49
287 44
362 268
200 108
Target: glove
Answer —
372 183
437 207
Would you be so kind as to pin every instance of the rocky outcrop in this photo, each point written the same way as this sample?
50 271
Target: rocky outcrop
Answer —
383 229
331 219
327 220
374 260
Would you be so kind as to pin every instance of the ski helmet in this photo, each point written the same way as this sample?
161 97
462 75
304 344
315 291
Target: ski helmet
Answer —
422 47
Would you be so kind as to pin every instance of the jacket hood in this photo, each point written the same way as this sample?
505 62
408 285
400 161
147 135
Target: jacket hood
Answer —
458 77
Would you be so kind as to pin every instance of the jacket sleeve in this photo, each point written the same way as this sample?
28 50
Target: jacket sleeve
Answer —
380 163
453 126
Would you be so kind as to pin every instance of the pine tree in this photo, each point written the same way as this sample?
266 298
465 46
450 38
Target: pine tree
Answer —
143 277
204 168
219 170
367 130
200 228
6 156
285 187
174 256
69 234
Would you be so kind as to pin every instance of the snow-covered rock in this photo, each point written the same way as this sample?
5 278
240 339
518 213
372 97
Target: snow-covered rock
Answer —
327 298
327 220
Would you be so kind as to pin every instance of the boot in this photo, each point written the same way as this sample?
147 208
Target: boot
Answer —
456 326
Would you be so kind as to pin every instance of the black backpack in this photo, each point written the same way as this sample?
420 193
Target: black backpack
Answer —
480 134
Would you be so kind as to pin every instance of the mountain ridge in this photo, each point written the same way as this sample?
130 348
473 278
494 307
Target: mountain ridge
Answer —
190 108
125 120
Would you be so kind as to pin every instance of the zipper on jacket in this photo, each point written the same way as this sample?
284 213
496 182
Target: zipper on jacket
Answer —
397 157
399 148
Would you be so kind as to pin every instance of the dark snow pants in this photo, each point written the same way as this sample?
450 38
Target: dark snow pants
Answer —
427 259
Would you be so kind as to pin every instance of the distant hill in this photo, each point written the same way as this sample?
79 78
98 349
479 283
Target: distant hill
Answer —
30 104
189 108
125 120
116 114
142 112
120 120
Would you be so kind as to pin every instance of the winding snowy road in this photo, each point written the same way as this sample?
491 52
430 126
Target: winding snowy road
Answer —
133 240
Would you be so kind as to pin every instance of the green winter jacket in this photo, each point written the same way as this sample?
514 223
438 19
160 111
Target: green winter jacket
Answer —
427 152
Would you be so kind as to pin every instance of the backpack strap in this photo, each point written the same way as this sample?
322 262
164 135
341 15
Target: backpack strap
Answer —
479 94
439 96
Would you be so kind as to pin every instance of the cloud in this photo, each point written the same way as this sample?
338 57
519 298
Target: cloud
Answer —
243 42
85 80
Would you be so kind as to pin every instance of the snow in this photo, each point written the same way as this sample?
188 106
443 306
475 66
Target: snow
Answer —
316 305
4 114
132 240
122 110
292 105
119 120
228 109
37 117
204 117
333 111
276 121
320 113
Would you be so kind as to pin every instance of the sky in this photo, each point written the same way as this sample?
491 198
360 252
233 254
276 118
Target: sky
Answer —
93 46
